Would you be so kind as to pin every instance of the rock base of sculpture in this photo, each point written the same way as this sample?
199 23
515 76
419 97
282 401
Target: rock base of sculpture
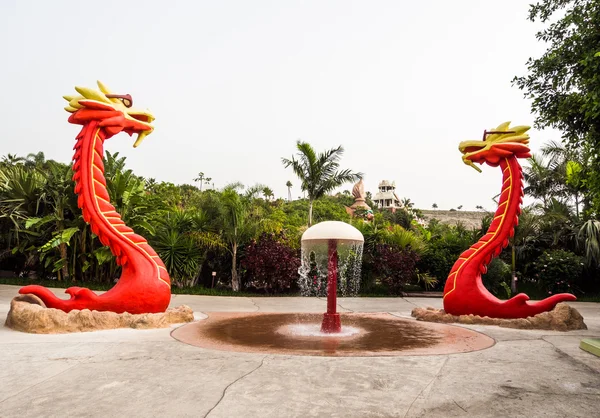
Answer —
562 318
29 314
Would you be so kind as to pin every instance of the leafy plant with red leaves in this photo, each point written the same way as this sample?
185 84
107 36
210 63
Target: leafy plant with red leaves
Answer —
270 264
395 266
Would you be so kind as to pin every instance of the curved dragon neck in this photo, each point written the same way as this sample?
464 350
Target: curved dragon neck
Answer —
94 201
502 226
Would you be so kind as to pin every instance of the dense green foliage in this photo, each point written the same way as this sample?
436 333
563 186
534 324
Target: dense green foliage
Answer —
497 278
564 86
445 244
558 271
252 241
564 83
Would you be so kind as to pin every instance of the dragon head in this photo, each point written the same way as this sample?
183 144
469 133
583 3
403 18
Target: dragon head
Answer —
496 145
114 112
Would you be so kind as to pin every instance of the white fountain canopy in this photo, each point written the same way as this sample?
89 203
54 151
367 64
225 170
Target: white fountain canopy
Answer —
340 231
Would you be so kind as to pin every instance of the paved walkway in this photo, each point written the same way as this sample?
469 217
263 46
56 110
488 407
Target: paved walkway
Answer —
146 373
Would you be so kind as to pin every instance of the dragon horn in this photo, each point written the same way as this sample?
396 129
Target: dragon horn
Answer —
521 129
103 87
106 90
92 94
503 126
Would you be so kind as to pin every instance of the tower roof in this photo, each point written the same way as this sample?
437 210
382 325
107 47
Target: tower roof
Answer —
386 183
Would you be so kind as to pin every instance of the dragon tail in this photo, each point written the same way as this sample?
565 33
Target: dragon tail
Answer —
81 297
520 303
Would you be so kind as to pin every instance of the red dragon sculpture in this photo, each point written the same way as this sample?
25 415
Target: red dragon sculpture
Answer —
144 285
464 292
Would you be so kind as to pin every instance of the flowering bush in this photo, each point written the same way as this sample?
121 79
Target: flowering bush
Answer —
396 267
557 270
270 264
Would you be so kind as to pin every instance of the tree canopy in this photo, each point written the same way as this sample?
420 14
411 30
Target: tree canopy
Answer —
564 82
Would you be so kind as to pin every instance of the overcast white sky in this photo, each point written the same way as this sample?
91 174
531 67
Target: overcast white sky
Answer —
234 84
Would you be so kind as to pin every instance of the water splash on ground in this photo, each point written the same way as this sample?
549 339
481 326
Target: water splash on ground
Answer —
314 330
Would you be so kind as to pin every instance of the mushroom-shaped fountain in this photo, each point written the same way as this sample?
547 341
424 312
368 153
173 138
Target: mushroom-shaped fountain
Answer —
331 260
340 240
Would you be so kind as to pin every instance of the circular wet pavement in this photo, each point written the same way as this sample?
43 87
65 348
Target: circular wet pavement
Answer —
380 334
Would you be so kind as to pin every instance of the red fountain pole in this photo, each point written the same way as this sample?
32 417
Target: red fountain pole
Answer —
331 320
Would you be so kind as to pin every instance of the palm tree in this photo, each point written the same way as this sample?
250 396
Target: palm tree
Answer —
182 240
267 193
539 179
237 227
289 186
558 224
566 166
35 160
59 194
589 238
319 173
21 199
150 184
557 173
405 202
12 159
202 179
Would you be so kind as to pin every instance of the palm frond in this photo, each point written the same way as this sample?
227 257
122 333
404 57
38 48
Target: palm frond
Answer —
589 237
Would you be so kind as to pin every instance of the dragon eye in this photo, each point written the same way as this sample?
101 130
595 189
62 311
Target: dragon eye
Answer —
124 98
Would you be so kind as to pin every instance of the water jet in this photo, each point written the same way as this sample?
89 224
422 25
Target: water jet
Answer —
331 263
337 240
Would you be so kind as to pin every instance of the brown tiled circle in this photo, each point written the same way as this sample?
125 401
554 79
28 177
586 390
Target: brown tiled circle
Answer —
381 334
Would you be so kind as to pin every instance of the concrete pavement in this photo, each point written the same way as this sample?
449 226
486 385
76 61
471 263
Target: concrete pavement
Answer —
146 373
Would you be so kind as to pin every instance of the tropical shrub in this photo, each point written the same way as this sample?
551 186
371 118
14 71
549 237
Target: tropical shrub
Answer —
396 267
270 264
497 278
399 237
445 245
329 209
425 281
438 260
558 271
379 232
180 255
400 217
